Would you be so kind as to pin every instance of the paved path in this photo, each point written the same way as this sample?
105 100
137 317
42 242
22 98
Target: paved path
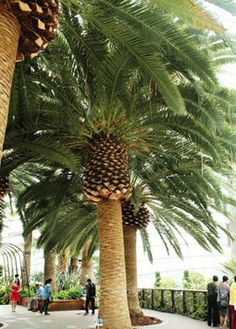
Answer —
24 319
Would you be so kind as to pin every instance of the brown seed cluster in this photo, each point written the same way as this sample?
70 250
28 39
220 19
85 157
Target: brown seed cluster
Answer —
106 175
38 20
130 218
4 186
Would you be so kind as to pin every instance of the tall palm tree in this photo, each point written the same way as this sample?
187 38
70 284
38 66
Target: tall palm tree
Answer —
26 28
86 270
105 132
117 124
131 223
50 267
106 135
167 218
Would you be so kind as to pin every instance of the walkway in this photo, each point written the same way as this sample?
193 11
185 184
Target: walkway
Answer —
24 319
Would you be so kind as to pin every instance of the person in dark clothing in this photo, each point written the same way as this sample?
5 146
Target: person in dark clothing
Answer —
212 305
90 296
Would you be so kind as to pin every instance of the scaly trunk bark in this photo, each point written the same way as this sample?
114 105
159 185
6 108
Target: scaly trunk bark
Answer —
113 303
9 38
74 264
63 261
27 260
50 268
86 265
131 271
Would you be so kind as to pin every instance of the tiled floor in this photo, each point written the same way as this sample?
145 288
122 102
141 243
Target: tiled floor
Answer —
24 319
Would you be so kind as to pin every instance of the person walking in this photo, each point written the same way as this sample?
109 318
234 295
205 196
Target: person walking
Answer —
47 295
15 294
223 299
232 301
90 296
212 306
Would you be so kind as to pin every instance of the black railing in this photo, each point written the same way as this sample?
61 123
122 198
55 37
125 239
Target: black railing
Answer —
191 303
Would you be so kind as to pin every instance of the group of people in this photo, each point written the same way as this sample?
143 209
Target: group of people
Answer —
42 293
45 294
221 302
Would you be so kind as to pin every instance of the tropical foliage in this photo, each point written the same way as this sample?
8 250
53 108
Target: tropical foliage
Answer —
128 89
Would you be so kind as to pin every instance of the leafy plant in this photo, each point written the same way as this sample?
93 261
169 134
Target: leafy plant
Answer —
186 280
37 277
4 295
72 293
157 283
230 267
66 281
25 292
168 283
194 280
189 303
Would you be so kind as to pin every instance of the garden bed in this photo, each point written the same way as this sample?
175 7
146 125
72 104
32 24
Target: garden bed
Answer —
58 305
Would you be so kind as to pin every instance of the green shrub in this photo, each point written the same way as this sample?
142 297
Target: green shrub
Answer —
25 292
72 293
62 294
4 295
171 300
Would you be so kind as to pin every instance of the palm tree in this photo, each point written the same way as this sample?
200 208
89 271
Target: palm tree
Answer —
106 136
26 30
86 270
97 135
50 267
74 264
230 267
198 223
131 222
109 136
62 261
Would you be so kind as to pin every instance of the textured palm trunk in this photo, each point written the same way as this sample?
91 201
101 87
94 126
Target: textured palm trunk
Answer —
63 261
27 257
86 265
113 303
9 38
50 268
74 264
131 271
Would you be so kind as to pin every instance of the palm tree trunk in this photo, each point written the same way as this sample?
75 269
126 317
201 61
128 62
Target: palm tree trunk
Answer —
50 268
113 304
63 261
9 38
74 264
86 265
131 271
27 259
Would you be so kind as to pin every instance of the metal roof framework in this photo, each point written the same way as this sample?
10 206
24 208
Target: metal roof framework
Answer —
13 261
